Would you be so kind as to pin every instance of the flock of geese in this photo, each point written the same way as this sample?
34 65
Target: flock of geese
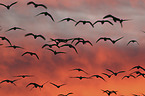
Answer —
59 43
135 74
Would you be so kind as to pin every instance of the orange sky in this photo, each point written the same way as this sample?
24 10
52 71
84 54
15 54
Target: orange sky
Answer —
93 59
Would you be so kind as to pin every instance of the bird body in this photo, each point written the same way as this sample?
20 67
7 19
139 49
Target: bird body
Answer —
103 21
84 22
14 28
98 76
24 76
15 47
57 86
67 19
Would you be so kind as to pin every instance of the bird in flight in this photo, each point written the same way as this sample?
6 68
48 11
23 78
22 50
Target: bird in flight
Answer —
36 5
128 76
10 81
115 19
15 47
4 38
31 53
46 14
8 6
106 38
79 69
102 22
24 76
65 95
50 45
109 92
67 19
109 76
115 73
84 42
70 46
14 28
97 76
35 85
35 36
84 22
55 52
78 39
133 41
60 40
57 86
81 77
138 67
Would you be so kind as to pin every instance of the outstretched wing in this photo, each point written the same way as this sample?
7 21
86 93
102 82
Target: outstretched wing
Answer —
78 23
13 4
31 2
30 84
50 16
26 53
4 38
41 37
90 23
3 5
29 34
89 42
109 22
36 55
119 39
100 39
110 70
120 71
42 5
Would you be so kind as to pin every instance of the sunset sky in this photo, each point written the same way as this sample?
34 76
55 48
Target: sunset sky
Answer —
93 59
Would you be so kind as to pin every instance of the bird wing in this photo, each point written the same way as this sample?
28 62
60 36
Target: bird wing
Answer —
31 84
107 16
36 55
45 45
89 42
101 77
105 74
3 5
90 23
41 37
13 4
96 22
29 34
31 2
50 16
120 71
124 77
9 29
132 76
129 43
40 13
8 40
50 49
78 23
26 53
119 38
69 93
77 43
53 84
110 70
100 39
109 22
42 5
60 52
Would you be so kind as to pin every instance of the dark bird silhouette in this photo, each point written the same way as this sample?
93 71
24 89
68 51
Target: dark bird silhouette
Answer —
78 39
24 76
98 76
84 42
60 40
105 39
109 92
15 47
79 69
50 45
31 53
4 38
136 72
67 19
70 46
65 95
115 73
35 85
35 36
14 28
10 81
133 41
102 22
36 5
46 14
141 74
80 77
109 76
84 22
8 6
137 67
55 53
115 19
128 76
58 86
